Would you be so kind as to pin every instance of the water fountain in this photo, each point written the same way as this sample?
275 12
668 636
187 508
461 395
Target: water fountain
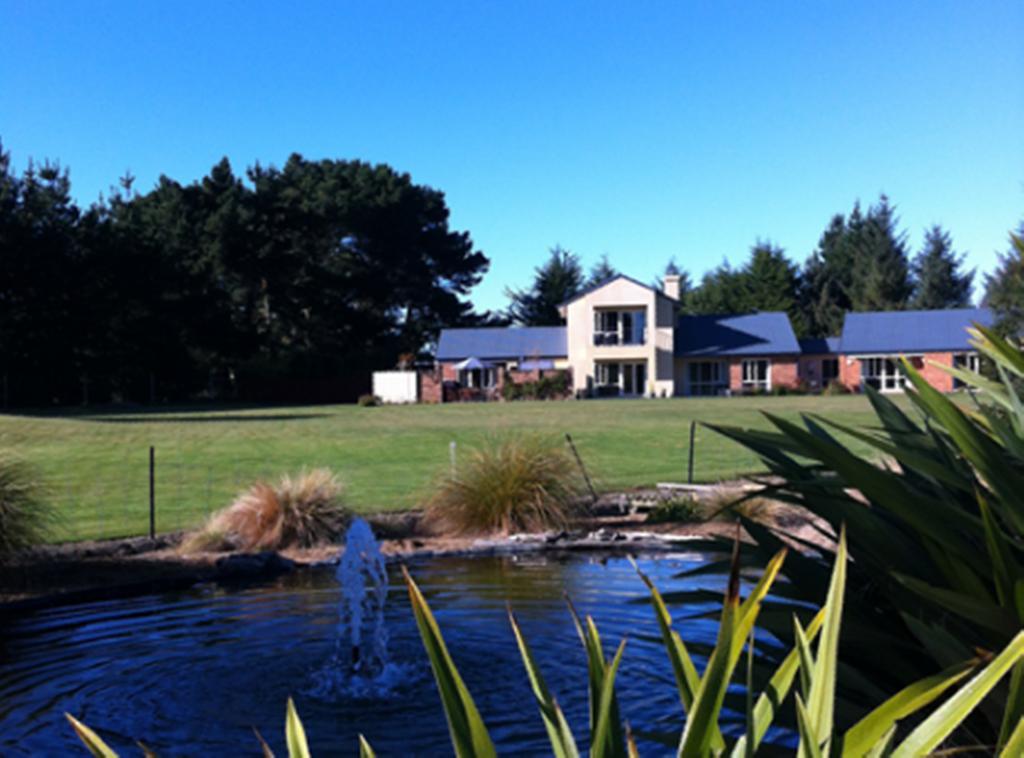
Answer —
359 665
363 577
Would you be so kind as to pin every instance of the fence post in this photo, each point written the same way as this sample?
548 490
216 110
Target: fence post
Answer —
5 392
451 456
583 469
152 492
693 433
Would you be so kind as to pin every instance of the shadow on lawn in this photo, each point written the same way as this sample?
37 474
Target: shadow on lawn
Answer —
231 417
183 413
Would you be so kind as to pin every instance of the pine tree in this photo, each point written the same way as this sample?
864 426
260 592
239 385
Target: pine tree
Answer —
558 280
721 291
601 272
860 264
685 283
881 274
938 279
1004 288
771 282
828 277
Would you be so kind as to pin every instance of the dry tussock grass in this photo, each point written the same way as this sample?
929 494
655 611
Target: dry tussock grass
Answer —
514 483
300 511
730 503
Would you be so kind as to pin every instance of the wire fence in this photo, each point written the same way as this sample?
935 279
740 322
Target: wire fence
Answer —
122 503
145 493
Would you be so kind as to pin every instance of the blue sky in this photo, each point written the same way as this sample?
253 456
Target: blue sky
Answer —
639 130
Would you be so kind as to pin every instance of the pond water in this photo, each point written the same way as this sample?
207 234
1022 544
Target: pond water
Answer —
191 673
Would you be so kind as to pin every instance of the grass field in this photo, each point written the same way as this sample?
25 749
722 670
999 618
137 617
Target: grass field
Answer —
96 464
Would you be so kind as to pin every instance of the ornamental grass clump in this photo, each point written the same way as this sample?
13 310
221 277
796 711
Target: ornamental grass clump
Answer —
25 516
300 511
517 483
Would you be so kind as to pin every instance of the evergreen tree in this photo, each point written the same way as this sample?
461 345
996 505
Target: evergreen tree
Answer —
938 279
771 282
558 280
601 272
860 264
1004 288
721 291
770 279
306 272
828 277
881 274
685 284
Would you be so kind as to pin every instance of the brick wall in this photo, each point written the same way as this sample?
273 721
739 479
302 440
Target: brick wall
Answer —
784 372
850 370
430 386
736 375
935 376
849 373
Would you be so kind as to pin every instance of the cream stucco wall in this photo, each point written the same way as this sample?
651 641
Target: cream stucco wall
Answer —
656 351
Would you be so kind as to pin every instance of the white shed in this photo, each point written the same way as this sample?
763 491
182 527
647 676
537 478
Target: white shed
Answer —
396 386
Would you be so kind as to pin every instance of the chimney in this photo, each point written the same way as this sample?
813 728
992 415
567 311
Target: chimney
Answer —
671 286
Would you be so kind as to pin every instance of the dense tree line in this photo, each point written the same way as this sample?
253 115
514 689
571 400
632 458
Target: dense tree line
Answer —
862 262
230 286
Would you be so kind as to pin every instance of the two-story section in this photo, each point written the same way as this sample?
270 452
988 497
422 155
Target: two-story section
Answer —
620 338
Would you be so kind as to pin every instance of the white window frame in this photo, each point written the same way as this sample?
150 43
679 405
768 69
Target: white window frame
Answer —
610 326
967 362
717 382
885 370
602 375
751 379
488 378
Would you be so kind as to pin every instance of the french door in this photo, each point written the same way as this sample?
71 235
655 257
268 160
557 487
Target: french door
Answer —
628 378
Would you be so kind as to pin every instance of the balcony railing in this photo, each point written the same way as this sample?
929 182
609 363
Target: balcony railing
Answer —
615 338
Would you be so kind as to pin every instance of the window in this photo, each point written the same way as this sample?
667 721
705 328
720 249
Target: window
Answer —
967 362
621 378
757 375
706 377
615 327
829 371
478 378
881 373
607 374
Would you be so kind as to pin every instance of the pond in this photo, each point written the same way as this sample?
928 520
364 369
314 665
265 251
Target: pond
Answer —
191 673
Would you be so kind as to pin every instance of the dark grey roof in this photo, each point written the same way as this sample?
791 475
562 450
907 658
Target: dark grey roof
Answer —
594 287
910 331
502 342
819 345
753 334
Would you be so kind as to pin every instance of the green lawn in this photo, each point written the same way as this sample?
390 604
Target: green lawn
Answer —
96 465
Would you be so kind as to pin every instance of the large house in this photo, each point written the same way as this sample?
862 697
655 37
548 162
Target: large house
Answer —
623 337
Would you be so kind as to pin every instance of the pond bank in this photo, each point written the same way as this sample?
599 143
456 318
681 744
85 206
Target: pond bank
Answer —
89 571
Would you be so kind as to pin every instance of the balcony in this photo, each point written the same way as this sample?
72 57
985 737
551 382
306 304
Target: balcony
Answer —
617 338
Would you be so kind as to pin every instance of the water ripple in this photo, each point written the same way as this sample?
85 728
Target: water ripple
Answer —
192 672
